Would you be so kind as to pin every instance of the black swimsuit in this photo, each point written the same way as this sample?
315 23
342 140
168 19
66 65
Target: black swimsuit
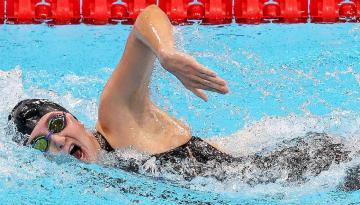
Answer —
300 158
104 144
195 154
195 148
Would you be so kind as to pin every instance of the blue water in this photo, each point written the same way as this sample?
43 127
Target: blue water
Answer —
285 80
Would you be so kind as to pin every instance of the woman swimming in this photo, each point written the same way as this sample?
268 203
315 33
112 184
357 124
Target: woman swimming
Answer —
128 118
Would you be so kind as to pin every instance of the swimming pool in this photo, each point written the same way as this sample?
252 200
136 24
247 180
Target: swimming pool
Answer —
285 80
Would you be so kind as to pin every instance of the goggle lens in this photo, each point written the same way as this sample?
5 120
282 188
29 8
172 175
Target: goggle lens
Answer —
41 143
57 124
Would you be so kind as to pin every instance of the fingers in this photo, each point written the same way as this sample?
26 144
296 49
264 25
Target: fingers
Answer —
199 67
204 87
198 78
202 70
215 79
207 75
215 85
200 94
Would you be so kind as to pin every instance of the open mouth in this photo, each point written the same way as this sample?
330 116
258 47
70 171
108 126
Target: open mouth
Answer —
76 152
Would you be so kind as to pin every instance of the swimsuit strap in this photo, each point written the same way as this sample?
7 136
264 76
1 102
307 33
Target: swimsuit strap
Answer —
104 144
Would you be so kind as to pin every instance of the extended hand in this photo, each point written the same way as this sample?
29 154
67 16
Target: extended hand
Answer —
194 76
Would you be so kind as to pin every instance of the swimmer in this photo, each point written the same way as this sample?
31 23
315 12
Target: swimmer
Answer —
128 118
126 115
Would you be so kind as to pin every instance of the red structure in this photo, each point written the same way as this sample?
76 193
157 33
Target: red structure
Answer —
330 11
196 12
209 11
110 11
217 11
134 7
176 10
2 11
293 11
248 11
262 11
180 11
42 11
36 11
21 11
97 11
65 11
119 11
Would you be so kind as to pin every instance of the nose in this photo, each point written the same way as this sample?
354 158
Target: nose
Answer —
57 141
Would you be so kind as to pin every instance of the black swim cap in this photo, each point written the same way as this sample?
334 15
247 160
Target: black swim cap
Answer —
27 113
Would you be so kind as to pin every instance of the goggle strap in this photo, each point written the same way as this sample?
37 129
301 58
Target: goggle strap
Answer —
48 135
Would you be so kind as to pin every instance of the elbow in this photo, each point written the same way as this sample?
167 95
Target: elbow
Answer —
149 14
151 8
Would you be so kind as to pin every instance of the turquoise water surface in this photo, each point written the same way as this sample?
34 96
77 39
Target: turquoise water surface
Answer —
285 80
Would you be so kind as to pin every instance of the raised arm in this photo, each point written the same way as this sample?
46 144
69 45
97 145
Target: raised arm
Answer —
126 114
154 29
151 37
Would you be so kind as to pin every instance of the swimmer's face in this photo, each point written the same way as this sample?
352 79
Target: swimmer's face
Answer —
74 139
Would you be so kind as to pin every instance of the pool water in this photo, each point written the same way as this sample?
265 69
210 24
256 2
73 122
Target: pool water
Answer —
285 81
